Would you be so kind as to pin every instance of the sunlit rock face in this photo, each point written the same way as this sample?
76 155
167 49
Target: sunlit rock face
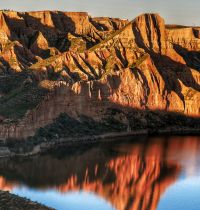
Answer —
128 175
142 65
125 89
110 24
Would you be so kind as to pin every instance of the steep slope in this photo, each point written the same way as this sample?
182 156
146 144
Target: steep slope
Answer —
141 65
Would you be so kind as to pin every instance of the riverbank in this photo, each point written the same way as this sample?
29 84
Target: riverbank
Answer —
10 201
6 152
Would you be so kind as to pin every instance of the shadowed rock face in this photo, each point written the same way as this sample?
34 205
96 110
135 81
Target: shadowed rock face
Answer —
128 175
142 65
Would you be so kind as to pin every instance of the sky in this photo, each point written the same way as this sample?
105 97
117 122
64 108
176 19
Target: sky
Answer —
184 12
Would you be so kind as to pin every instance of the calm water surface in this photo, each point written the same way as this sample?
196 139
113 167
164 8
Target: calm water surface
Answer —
160 173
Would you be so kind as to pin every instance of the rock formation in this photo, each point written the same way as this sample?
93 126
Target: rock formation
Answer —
94 63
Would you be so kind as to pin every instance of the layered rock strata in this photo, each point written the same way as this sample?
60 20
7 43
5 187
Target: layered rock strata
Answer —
98 64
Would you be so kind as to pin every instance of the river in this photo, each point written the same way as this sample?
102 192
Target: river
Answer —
138 172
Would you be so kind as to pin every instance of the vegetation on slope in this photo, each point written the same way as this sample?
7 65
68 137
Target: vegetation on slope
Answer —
71 43
109 65
110 37
8 47
20 93
45 62
175 26
65 126
139 60
77 44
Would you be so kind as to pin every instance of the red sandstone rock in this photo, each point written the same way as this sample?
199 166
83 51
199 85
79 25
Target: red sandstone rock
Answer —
144 66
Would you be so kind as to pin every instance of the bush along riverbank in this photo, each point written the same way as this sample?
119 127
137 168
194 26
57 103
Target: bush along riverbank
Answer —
115 123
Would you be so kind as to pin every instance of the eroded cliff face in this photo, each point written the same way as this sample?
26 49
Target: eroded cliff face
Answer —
97 63
110 24
129 175
142 88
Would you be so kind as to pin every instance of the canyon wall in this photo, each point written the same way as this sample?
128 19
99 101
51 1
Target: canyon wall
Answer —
99 63
128 89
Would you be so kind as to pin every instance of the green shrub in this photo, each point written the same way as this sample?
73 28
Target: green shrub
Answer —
19 145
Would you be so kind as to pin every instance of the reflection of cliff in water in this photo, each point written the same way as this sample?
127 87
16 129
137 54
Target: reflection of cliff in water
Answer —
128 175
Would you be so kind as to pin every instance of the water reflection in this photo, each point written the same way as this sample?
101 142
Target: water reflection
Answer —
130 173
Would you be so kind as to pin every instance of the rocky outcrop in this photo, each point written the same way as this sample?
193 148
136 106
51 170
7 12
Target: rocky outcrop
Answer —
142 65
